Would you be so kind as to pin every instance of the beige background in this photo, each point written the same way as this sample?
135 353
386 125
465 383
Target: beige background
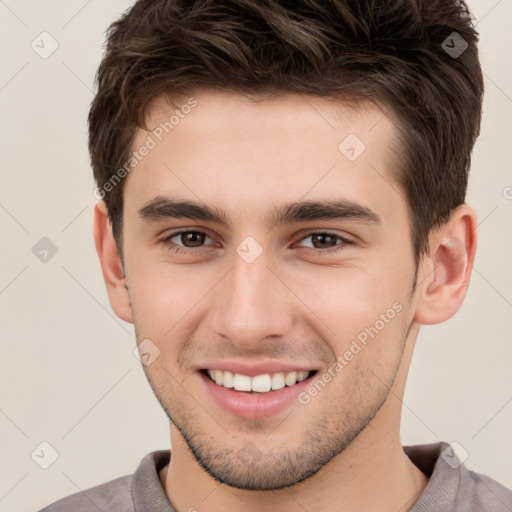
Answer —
68 375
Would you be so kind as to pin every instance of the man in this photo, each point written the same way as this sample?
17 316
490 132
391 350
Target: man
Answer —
282 192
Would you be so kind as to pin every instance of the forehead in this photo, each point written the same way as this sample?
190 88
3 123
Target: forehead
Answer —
215 113
227 149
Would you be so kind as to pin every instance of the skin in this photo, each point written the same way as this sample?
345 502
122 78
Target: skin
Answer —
248 157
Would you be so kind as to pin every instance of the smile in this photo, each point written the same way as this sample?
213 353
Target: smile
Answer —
263 383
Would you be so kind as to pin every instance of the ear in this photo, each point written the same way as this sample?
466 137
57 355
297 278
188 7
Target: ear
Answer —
444 274
111 266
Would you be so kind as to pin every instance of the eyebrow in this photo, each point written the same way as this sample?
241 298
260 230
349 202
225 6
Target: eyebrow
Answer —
162 208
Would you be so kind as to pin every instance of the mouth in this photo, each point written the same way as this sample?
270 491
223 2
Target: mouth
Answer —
263 383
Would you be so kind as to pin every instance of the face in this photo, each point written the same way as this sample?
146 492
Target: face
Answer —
268 244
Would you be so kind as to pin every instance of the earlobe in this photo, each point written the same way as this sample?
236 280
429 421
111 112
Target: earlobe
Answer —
447 269
111 265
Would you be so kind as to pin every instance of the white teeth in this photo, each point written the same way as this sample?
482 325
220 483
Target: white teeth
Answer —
260 383
227 380
241 382
218 376
290 379
277 381
301 376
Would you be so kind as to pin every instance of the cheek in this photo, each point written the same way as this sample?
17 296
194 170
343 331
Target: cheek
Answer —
361 315
170 304
349 299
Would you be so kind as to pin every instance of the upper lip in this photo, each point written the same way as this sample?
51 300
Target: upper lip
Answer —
253 369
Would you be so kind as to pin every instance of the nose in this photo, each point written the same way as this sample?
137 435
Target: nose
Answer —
252 304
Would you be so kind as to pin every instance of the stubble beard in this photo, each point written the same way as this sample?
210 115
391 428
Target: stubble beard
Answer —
250 467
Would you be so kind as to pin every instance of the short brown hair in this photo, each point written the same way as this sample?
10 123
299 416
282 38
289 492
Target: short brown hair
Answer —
417 58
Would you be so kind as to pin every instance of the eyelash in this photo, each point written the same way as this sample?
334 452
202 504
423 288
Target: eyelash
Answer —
171 246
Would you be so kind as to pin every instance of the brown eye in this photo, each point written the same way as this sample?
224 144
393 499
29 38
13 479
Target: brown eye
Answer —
192 238
183 240
325 243
323 240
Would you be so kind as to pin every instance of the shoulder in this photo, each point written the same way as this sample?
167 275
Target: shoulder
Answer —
143 488
114 496
479 492
452 486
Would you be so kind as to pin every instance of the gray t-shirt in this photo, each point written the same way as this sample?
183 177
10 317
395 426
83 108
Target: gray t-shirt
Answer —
451 487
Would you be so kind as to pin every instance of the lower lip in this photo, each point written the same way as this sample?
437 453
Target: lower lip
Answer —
253 405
